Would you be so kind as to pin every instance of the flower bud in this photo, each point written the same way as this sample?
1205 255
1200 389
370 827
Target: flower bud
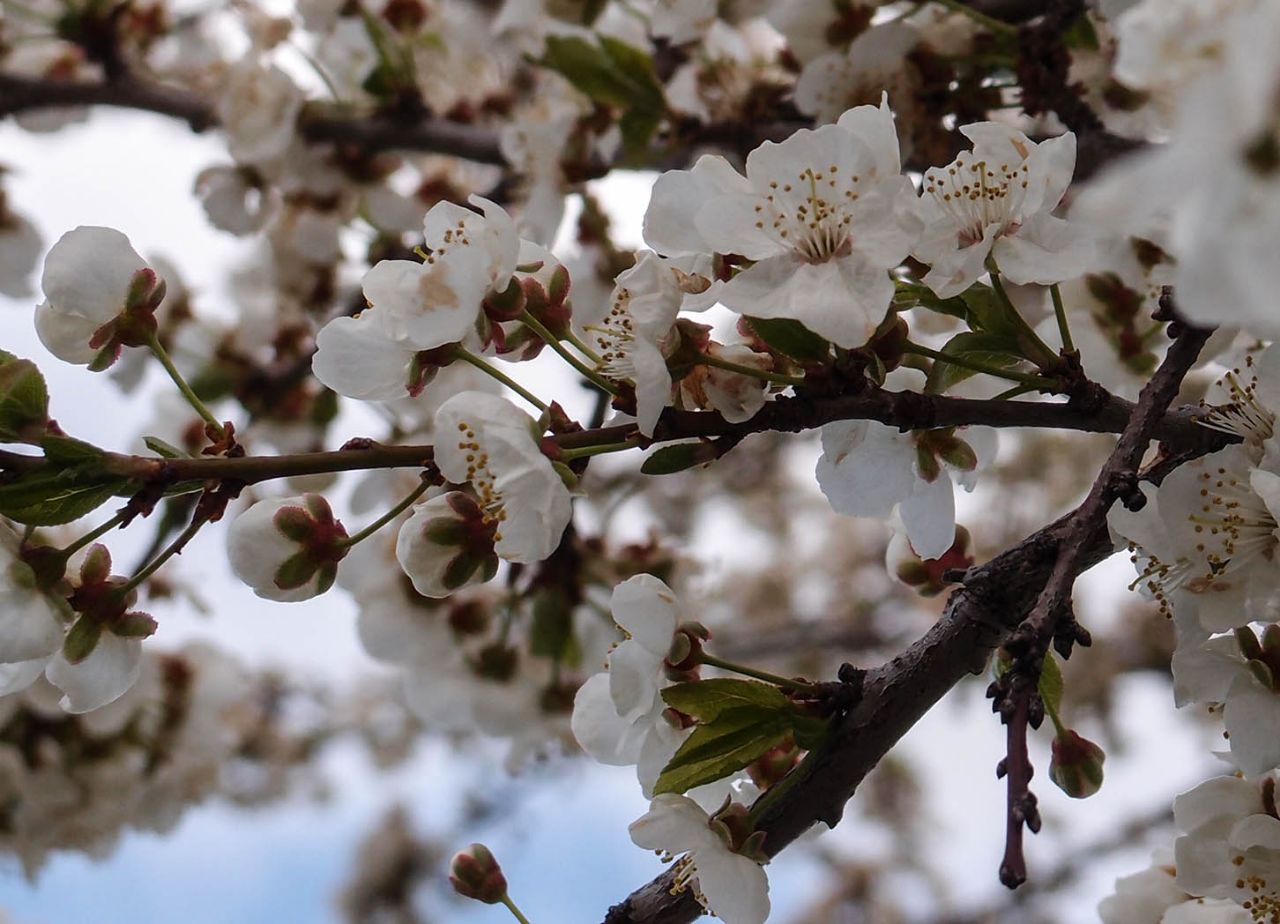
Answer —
925 575
1076 766
447 545
474 873
287 549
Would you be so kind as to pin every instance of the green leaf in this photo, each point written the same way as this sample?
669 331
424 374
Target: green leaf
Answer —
163 449
53 498
911 294
24 400
677 458
1081 34
552 625
987 312
735 739
616 74
69 450
1051 685
705 700
791 338
993 349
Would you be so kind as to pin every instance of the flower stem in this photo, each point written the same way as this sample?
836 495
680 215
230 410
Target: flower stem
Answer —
597 450
975 365
479 362
776 378
516 913
1061 313
767 677
172 549
553 341
582 347
157 350
386 517
995 25
91 535
1014 392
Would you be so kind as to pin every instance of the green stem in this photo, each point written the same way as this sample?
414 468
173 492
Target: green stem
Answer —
153 344
995 25
511 906
468 357
1024 378
1061 313
775 679
91 535
386 517
170 550
567 455
582 347
553 341
776 378
1014 392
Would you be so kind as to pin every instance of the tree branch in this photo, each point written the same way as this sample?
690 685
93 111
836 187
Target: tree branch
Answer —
372 133
905 410
992 602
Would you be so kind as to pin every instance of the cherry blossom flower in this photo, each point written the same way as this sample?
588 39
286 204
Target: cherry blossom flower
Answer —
489 443
99 295
876 59
824 215
997 201
1209 530
258 109
287 549
1230 848
727 884
867 469
619 716
357 357
629 340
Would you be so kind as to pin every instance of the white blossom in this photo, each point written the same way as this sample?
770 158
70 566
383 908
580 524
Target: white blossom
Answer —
729 885
823 216
997 201
286 549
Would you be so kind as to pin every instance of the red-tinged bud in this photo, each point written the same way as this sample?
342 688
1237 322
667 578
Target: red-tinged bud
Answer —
774 764
470 618
475 873
1076 766
957 453
685 653
890 342
926 575
496 662
505 305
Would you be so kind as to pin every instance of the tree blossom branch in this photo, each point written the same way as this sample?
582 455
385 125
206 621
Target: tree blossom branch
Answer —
993 601
905 410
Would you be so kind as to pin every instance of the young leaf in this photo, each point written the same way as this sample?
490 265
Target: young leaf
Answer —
1051 685
991 348
24 400
715 750
671 459
791 338
706 700
52 498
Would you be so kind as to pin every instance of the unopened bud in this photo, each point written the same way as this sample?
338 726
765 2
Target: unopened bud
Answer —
1076 766
474 873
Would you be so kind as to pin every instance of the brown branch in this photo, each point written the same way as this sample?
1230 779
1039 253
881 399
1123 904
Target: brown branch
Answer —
371 133
905 410
993 601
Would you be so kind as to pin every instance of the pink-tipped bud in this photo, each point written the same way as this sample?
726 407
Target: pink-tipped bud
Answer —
475 873
1076 766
